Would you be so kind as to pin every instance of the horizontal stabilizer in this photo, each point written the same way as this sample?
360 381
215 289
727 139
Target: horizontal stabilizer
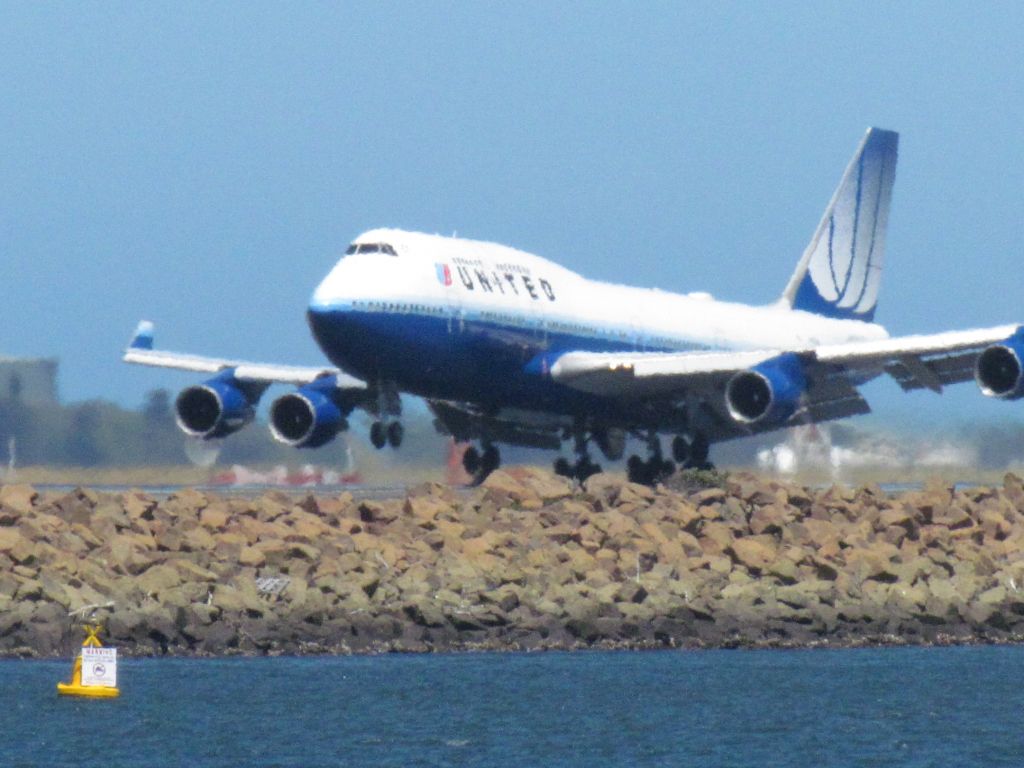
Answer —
143 337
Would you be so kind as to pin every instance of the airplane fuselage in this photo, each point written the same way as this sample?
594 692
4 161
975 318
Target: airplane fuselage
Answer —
454 319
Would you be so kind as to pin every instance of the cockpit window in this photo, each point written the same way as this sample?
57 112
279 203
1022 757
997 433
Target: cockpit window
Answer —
371 248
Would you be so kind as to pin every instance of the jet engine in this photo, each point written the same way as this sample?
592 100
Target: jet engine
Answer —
767 393
216 408
999 370
307 418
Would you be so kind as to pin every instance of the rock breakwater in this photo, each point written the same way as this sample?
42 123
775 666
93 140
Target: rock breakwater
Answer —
526 561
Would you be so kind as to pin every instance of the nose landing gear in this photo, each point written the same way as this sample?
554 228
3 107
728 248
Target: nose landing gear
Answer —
387 429
382 434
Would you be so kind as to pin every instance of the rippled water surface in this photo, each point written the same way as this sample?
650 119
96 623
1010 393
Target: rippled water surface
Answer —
908 707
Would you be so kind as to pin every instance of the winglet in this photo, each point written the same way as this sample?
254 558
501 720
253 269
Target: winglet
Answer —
841 270
143 337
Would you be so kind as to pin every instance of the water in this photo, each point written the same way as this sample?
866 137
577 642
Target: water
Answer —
943 707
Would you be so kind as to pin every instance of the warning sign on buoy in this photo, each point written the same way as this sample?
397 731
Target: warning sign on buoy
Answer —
99 666
95 671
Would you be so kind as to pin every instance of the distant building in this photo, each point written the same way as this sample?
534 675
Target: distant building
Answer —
29 380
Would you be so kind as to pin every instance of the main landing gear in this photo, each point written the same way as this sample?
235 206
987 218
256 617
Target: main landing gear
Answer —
654 469
479 463
689 453
583 468
692 453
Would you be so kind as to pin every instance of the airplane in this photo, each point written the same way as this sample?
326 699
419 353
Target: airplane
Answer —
507 347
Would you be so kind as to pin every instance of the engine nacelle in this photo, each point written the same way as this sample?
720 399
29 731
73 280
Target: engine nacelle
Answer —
306 418
767 393
999 369
215 408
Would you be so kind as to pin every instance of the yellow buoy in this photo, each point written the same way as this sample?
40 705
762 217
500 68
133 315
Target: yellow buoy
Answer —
100 681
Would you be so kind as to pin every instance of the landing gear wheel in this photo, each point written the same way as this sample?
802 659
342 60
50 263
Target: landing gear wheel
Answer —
395 433
680 450
489 462
699 449
471 461
585 468
636 470
480 464
648 472
378 435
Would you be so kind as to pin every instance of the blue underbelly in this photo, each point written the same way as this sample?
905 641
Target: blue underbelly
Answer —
442 357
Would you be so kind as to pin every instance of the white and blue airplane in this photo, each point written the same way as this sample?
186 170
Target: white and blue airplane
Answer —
510 348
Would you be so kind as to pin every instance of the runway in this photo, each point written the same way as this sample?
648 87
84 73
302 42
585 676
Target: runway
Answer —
358 491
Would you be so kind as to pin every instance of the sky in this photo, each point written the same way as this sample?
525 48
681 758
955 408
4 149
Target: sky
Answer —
203 165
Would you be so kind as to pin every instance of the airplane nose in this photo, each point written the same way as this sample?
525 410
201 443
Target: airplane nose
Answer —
319 325
324 294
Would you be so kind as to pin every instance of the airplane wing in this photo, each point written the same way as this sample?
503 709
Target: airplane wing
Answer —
141 352
830 374
915 362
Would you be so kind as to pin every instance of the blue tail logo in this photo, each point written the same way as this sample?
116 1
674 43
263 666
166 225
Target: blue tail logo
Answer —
840 273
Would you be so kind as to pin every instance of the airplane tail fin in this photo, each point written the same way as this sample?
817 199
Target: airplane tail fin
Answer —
841 269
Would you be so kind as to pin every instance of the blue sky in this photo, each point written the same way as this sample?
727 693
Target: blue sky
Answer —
203 165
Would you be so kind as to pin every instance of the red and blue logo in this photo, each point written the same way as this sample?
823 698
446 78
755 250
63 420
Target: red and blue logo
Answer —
444 274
